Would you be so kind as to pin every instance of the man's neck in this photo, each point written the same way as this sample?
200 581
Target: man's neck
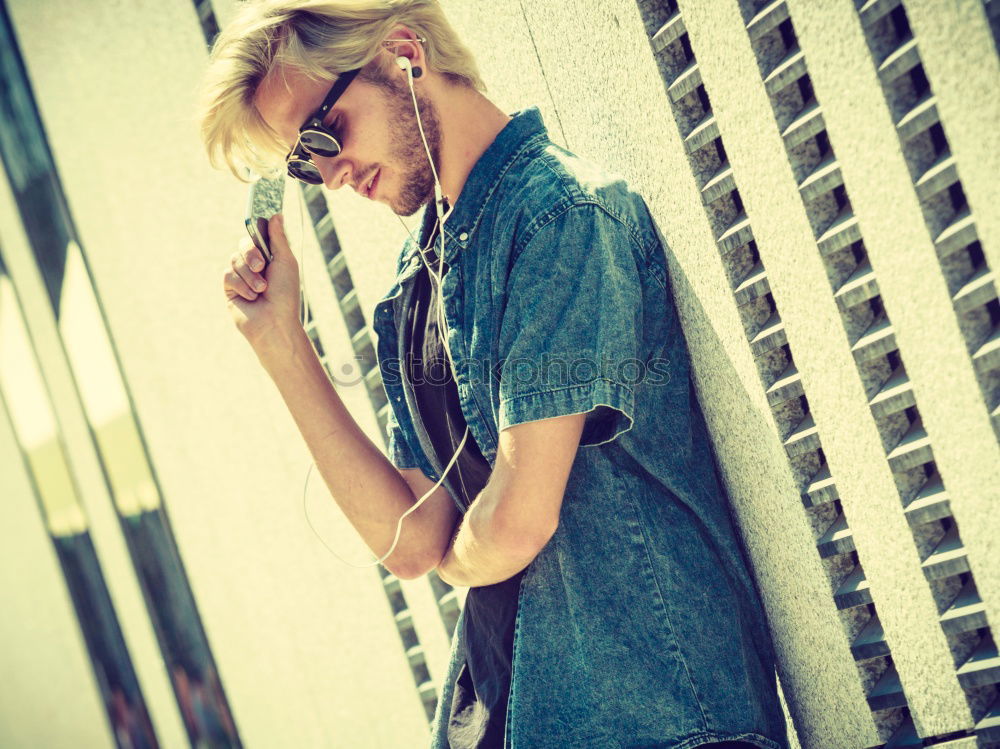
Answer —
469 124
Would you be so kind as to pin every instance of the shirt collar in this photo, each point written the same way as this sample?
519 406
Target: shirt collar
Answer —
525 125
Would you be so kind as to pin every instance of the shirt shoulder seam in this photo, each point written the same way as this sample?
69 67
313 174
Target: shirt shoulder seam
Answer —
565 206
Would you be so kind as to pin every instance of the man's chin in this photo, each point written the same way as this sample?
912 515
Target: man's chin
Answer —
411 208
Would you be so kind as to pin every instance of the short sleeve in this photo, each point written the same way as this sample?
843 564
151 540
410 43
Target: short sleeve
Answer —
399 452
570 332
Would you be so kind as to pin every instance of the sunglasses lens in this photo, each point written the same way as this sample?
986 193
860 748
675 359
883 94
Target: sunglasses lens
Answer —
305 171
319 143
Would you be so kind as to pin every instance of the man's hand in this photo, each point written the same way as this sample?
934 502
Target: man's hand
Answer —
263 302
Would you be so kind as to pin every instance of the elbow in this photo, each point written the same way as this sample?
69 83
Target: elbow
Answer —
412 569
407 573
521 537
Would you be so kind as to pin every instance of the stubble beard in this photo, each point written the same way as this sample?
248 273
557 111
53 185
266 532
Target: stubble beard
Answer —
415 175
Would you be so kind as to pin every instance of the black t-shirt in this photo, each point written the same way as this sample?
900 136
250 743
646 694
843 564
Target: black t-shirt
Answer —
479 705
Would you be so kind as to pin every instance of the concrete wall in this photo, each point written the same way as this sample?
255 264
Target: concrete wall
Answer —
842 356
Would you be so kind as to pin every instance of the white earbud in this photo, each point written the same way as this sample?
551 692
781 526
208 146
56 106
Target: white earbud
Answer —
411 71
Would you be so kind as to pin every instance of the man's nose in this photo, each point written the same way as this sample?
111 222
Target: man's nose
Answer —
335 171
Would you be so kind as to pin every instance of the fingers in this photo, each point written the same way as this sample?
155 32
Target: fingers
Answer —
245 276
246 263
233 284
242 276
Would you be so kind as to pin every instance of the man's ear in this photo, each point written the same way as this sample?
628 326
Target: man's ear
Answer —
404 43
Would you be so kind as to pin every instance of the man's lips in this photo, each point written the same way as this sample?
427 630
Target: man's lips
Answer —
369 192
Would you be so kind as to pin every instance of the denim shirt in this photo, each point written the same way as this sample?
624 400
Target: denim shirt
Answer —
639 622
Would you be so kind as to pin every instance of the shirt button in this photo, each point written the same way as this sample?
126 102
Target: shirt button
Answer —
463 236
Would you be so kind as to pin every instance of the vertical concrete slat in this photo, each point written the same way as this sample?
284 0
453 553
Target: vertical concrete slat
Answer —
629 129
916 297
49 695
959 56
116 563
277 608
819 344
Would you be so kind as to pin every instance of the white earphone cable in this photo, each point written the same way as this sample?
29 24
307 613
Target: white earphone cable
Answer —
442 326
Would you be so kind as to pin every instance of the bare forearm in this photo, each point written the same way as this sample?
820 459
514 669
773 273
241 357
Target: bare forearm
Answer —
484 551
367 487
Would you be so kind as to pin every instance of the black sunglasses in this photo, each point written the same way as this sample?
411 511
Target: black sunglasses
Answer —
315 138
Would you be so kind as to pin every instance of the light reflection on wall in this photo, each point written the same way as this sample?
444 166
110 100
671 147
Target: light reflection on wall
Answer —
52 248
24 394
102 390
34 422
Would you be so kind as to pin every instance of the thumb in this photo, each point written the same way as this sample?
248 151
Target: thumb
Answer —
277 237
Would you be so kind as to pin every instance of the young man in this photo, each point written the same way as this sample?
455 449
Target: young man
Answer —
610 600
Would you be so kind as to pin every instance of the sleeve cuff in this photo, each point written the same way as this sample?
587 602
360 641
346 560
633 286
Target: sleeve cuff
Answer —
609 407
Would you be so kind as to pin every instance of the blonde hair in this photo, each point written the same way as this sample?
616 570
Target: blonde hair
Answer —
320 38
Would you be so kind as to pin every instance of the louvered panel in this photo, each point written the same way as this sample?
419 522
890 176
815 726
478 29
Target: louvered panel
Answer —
807 124
901 61
870 642
349 302
324 228
837 539
843 232
896 395
770 336
966 613
688 80
988 729
859 287
887 692
769 17
948 558
755 285
427 693
959 53
878 340
897 242
786 387
874 10
824 178
804 438
930 503
904 737
703 133
803 113
337 265
941 175
854 591
361 340
977 291
960 233
913 450
921 117
821 488
736 235
669 32
789 70
720 184
983 666
987 357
